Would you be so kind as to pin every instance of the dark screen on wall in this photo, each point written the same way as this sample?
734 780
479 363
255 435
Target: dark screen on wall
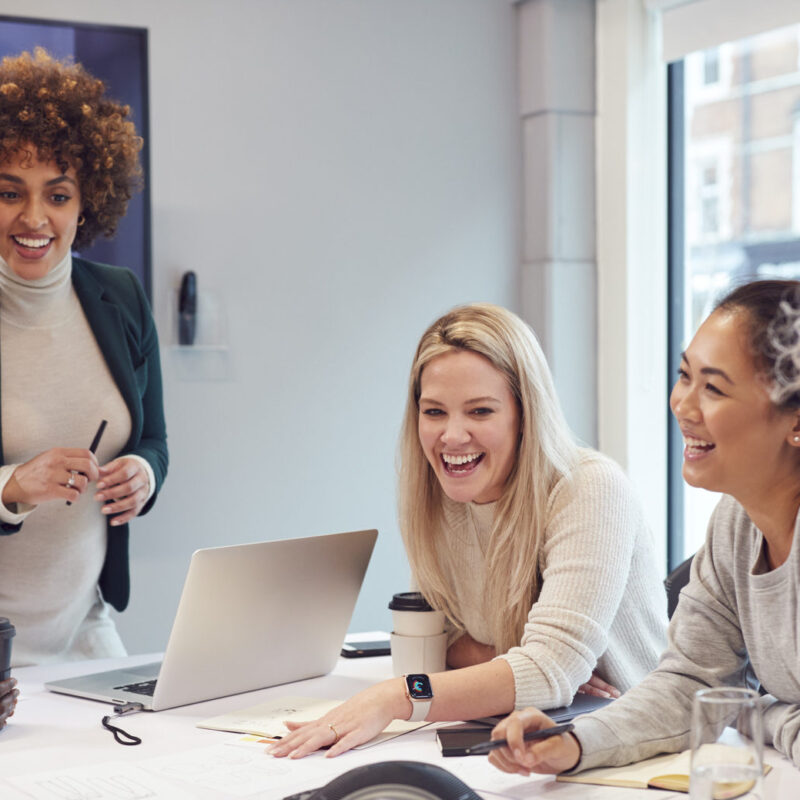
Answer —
118 56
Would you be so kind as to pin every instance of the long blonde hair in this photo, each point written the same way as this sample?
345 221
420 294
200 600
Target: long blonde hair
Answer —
545 453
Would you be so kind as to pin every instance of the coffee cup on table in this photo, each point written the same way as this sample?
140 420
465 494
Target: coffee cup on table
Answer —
418 639
7 632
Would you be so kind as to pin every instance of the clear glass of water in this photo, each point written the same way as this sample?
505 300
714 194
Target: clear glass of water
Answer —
727 745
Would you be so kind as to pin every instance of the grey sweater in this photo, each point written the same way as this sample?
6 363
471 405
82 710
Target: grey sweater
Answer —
733 613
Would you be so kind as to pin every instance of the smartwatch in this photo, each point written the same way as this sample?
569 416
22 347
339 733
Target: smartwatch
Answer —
420 693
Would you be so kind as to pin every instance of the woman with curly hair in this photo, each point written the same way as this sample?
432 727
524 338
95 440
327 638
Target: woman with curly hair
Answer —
77 345
534 548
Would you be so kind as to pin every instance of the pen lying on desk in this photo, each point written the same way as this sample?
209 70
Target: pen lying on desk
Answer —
528 736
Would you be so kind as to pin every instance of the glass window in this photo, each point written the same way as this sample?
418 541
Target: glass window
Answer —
734 203
711 66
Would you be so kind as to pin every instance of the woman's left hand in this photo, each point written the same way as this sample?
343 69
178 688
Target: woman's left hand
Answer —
352 723
123 487
597 687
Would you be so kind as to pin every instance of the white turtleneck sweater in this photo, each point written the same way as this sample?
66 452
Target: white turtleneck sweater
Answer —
55 387
601 604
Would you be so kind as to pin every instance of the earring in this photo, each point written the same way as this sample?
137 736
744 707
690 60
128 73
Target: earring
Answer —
796 439
81 220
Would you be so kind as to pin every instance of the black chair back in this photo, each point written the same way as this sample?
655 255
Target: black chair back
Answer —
674 582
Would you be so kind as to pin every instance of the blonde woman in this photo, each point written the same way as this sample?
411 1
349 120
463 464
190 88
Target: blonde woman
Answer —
534 548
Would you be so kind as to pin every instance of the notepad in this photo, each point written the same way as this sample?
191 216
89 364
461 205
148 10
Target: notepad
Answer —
267 719
662 772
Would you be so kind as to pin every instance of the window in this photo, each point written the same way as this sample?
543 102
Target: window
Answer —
711 66
734 174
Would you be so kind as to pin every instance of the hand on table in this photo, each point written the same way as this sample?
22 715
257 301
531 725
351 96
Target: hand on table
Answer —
8 699
123 487
354 722
61 473
597 687
547 756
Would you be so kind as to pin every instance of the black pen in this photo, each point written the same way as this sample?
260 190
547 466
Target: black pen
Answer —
95 442
545 733
98 436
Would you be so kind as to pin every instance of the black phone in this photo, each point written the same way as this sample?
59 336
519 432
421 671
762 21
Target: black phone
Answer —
376 647
456 740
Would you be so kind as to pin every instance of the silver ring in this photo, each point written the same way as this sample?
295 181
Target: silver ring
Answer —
71 481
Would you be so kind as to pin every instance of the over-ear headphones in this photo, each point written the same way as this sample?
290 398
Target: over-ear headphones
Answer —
398 780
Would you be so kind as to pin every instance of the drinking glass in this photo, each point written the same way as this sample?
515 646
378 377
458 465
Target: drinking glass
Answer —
727 745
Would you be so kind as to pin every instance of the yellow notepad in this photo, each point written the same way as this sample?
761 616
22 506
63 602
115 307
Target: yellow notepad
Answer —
662 772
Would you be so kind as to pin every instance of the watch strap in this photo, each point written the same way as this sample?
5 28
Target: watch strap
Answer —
419 709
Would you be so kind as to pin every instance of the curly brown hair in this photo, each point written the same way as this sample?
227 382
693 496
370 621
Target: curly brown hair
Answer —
59 109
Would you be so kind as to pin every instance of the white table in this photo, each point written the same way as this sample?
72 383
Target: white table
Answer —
52 732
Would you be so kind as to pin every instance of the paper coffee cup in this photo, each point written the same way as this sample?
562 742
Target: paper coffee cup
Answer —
419 642
412 615
7 632
411 654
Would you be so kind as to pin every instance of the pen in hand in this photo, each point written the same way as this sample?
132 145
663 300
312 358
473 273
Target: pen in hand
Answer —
485 747
95 442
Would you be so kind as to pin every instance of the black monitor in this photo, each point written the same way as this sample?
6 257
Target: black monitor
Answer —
118 56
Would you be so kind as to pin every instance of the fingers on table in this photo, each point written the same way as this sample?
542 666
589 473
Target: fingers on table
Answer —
306 738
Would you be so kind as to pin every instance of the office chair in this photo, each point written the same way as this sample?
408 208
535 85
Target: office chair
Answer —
674 582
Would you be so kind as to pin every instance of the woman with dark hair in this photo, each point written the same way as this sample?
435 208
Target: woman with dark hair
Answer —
77 345
737 401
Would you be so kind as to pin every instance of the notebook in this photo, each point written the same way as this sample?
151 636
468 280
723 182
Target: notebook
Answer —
660 772
250 616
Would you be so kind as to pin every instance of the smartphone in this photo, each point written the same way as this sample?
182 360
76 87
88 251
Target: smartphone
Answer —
376 647
456 740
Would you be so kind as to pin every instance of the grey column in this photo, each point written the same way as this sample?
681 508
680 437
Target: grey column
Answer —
557 111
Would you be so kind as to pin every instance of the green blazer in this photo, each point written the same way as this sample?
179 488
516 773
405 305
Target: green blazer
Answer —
120 318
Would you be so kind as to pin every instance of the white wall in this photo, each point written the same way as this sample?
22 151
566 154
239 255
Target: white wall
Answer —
337 174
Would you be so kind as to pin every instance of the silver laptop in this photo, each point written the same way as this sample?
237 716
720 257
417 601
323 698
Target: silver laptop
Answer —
250 616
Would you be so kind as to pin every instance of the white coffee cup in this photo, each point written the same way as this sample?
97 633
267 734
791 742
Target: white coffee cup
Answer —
419 642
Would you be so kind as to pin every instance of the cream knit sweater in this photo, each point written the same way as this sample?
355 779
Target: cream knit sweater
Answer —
601 604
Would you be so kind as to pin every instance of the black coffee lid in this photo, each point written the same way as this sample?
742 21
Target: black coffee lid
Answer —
409 601
7 630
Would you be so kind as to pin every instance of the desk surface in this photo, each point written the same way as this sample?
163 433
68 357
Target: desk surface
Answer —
53 733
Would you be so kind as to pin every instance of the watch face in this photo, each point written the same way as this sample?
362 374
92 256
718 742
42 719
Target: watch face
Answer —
419 687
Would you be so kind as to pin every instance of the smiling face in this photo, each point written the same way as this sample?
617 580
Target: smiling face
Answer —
736 440
468 425
39 210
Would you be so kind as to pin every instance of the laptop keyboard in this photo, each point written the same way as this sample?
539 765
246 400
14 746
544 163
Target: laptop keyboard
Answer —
144 687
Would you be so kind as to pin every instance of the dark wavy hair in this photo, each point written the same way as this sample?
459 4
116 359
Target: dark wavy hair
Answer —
772 322
61 110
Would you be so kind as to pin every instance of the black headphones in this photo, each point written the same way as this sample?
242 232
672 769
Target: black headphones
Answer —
392 780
